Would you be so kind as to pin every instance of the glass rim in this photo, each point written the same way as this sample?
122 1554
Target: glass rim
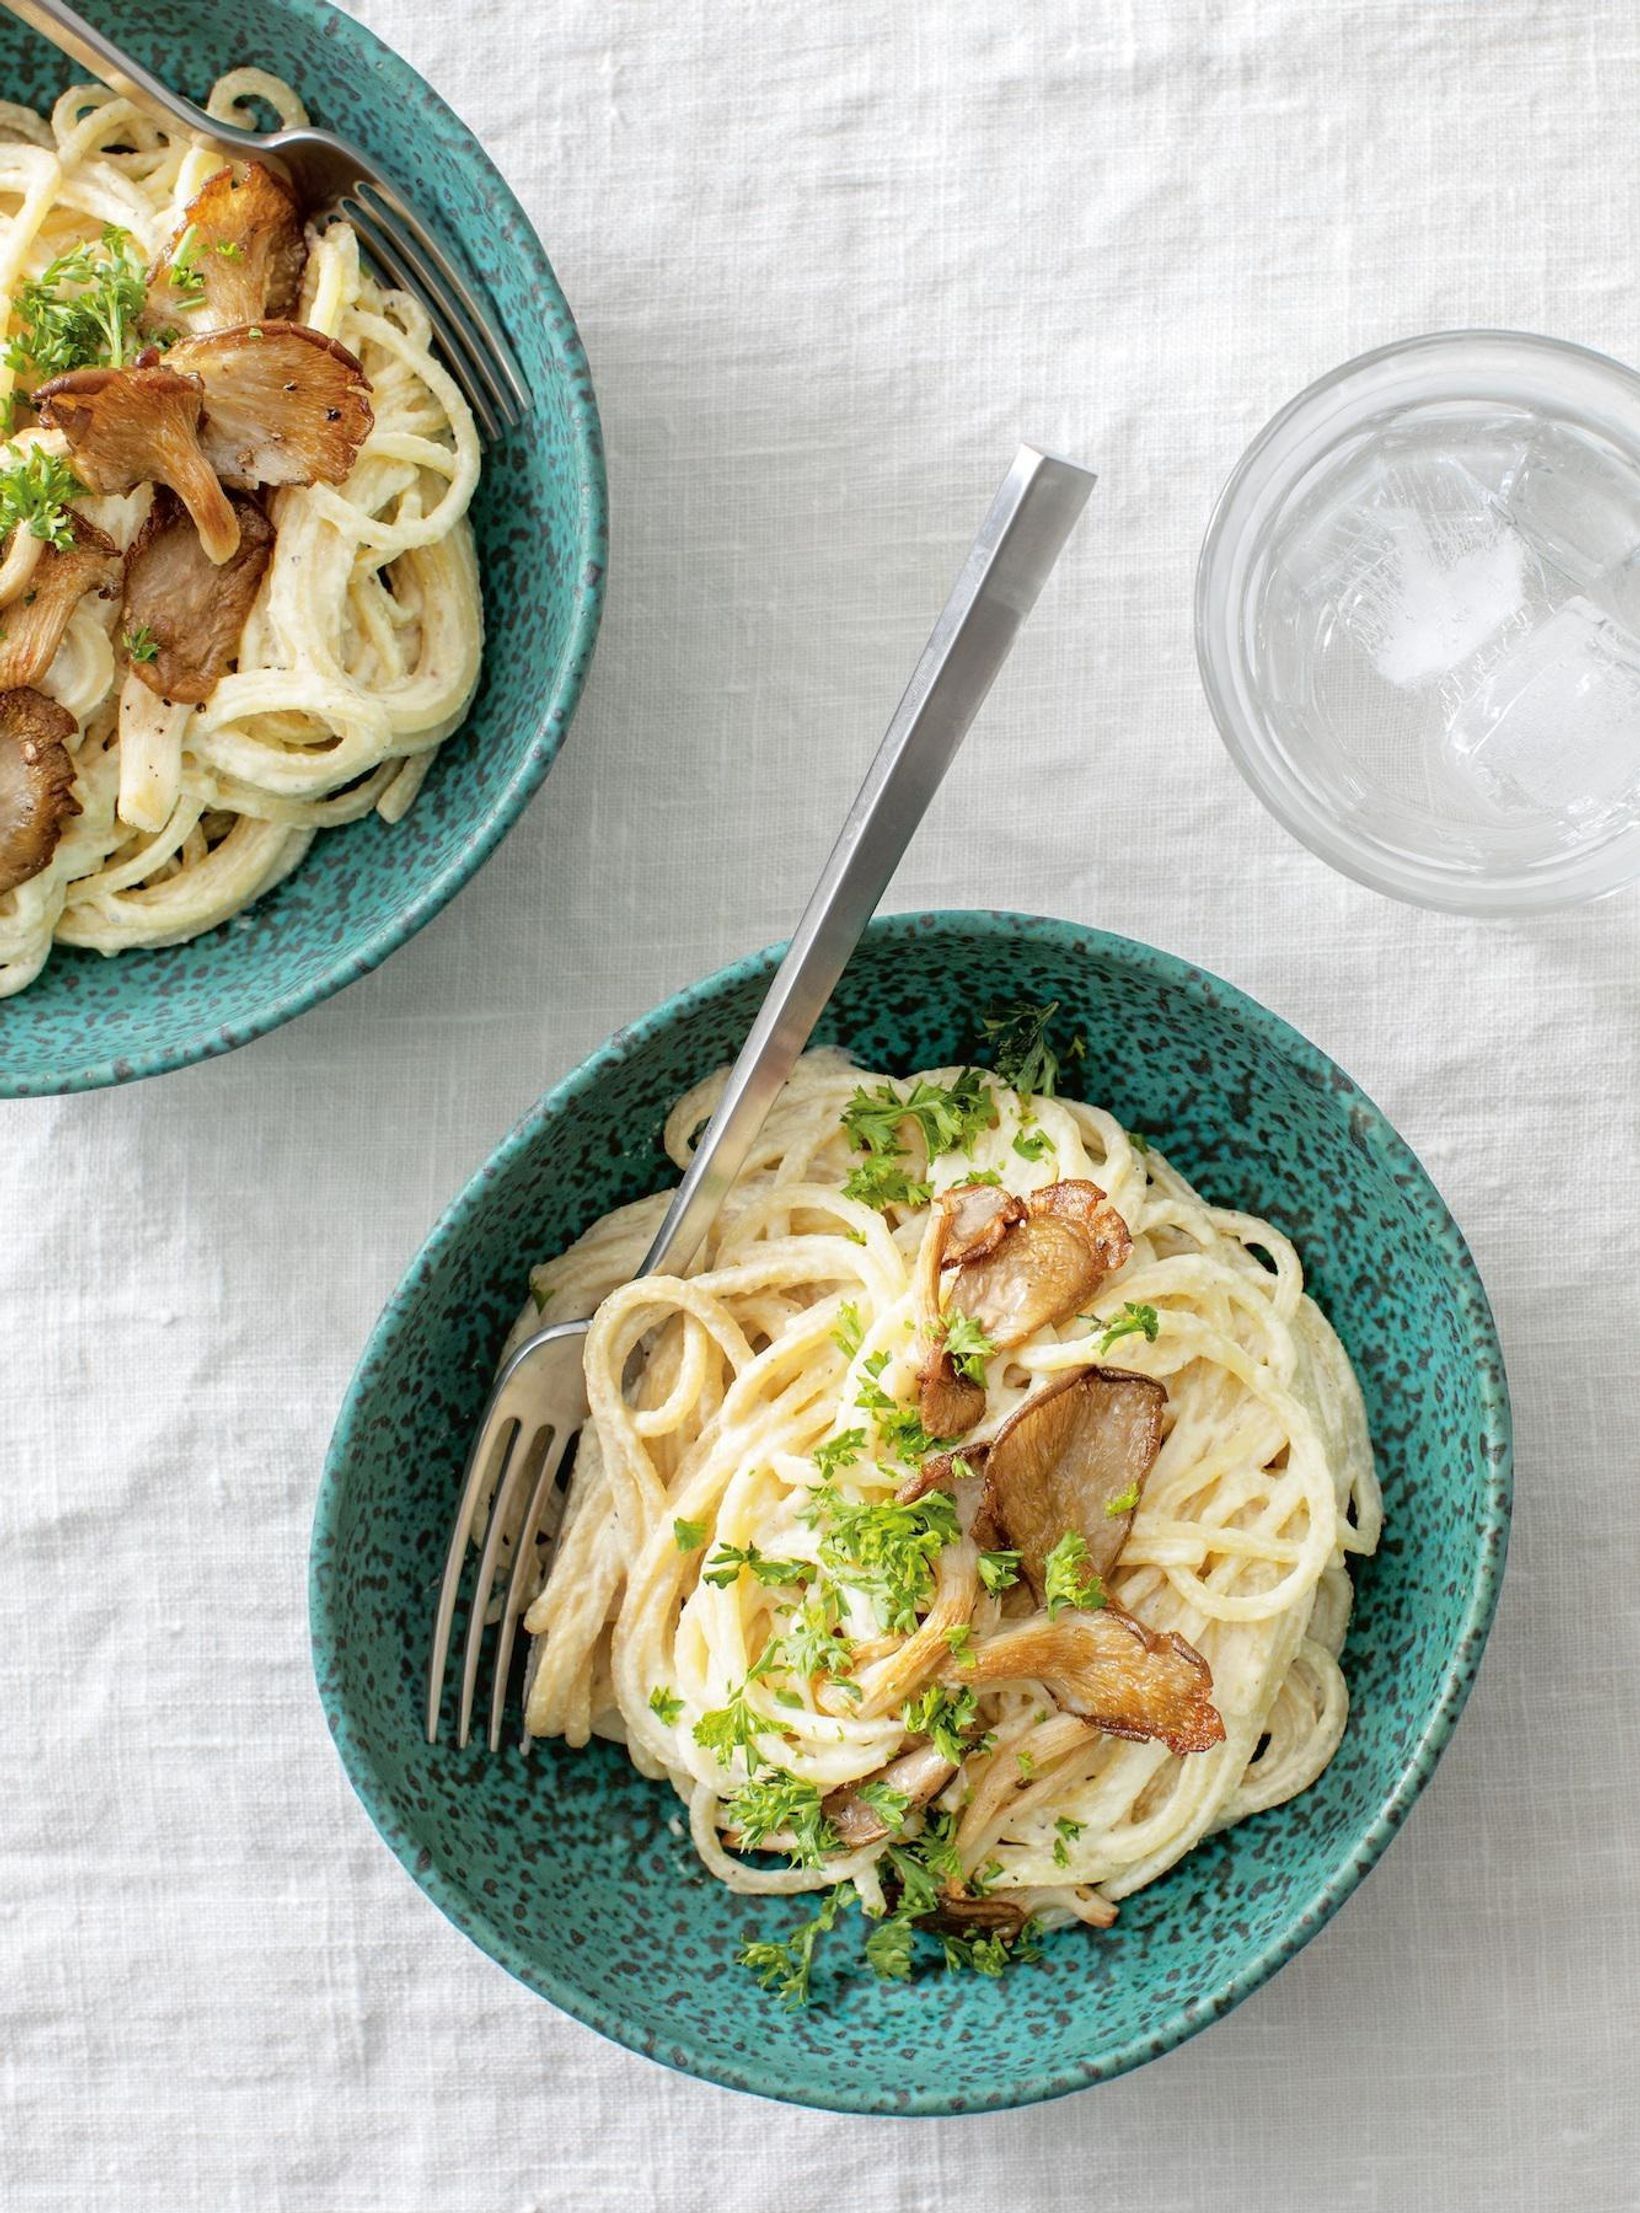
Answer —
1271 465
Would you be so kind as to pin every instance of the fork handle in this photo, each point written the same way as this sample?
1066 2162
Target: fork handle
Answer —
1019 541
84 43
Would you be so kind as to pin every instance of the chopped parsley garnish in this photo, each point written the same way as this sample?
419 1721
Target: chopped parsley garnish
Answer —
886 1549
726 1562
960 1637
229 248
890 1805
978 1176
1068 1579
1026 1762
850 1331
734 1728
883 1183
900 1429
762 1808
968 1346
871 1394
943 1716
1134 1320
890 1948
82 312
688 1536
1067 1833
1125 1502
839 1452
666 1704
1020 1052
998 1571
34 492
919 1873
811 1643
949 1119
1031 1145
141 645
183 276
985 1955
925 1863
786 1967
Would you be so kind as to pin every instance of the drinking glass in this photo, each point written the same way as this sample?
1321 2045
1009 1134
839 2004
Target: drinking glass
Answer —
1418 620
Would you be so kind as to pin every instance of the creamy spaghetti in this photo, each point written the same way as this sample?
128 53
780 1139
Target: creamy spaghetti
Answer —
361 650
714 1603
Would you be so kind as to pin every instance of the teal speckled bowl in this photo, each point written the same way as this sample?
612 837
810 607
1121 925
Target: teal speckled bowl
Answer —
573 1872
540 522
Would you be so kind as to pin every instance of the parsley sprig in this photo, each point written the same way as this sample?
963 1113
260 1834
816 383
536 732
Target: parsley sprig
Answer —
945 1717
34 493
1020 1052
998 1571
83 311
1068 1578
883 1183
766 1805
788 1966
1136 1319
968 1346
885 1549
950 1118
724 1567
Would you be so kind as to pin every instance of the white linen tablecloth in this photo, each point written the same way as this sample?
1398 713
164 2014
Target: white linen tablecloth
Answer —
830 260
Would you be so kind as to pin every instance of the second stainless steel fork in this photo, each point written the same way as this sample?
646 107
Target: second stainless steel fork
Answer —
330 176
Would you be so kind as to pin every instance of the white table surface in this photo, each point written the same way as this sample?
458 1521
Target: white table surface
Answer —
830 260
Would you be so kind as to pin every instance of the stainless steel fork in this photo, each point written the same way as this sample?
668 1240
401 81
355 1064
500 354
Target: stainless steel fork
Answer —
539 1401
329 177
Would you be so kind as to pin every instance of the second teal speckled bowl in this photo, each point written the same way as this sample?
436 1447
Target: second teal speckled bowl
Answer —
539 517
577 1875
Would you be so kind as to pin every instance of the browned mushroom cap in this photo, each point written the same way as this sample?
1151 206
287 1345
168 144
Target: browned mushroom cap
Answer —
193 611
283 404
36 780
975 1217
240 239
127 426
921 1774
949 1404
34 623
956 1915
1045 1266
1127 1679
1068 1454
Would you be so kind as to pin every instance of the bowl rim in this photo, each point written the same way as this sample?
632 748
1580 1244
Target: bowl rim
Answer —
1355 1858
349 962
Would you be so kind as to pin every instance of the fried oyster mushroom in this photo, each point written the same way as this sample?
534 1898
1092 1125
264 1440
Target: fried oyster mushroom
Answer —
919 1775
283 404
36 782
1108 1668
1074 1457
1042 1267
1021 1264
32 625
127 427
238 253
190 612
